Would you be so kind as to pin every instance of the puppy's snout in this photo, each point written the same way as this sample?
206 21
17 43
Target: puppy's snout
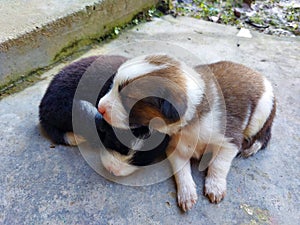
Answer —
101 109
105 112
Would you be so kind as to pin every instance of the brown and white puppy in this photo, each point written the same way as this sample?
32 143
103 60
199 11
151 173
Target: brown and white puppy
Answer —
212 112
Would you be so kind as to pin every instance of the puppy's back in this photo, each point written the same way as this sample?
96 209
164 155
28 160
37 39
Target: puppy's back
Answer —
249 101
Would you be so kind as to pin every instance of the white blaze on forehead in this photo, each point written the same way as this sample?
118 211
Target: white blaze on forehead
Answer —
135 67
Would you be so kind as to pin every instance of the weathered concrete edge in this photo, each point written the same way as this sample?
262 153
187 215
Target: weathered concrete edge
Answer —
45 45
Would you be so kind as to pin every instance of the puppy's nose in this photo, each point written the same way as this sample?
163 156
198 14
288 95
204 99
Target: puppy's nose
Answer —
101 109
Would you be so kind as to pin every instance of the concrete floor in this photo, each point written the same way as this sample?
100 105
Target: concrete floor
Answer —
45 184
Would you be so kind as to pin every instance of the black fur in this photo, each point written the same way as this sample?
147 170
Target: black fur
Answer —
140 158
169 111
55 110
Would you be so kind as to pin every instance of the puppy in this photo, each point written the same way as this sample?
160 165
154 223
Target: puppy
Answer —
212 112
62 106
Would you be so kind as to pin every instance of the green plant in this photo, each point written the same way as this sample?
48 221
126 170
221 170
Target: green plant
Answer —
256 19
293 14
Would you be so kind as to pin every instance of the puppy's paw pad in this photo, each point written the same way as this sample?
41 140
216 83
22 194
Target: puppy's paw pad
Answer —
215 190
187 197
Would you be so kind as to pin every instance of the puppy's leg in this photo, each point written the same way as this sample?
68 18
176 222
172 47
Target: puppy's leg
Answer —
56 135
73 139
215 181
252 150
186 188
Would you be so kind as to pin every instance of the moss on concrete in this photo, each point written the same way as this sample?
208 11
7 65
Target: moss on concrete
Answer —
111 32
20 83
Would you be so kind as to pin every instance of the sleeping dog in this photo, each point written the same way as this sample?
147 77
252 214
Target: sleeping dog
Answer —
61 102
211 111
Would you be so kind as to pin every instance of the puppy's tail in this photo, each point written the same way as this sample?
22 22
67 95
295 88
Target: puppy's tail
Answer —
261 139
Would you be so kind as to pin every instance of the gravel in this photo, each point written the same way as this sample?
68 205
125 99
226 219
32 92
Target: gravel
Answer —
274 17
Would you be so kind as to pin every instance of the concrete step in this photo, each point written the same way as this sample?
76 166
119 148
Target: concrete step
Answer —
36 34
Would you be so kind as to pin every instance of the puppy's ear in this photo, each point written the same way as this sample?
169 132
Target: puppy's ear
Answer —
172 111
161 97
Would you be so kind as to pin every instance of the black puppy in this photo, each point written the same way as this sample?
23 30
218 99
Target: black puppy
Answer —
71 99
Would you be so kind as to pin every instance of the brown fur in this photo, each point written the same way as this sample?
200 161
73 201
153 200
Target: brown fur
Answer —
240 87
143 113
162 60
205 73
149 85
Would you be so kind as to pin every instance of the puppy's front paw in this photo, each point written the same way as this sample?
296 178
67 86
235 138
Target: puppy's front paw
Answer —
73 139
187 197
215 189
